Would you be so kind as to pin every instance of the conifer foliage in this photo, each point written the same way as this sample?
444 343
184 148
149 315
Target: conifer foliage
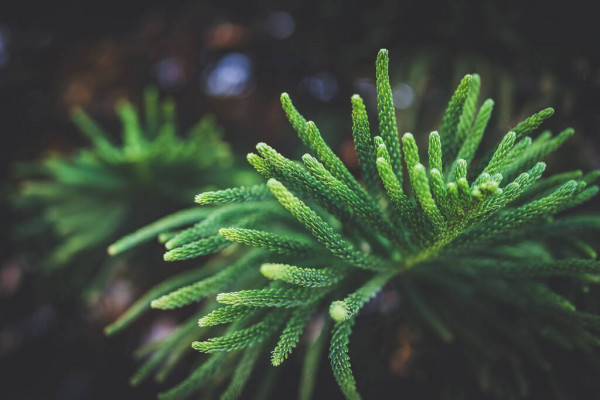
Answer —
458 231
94 196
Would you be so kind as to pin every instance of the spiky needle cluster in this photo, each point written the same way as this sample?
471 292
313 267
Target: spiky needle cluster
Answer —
98 194
478 233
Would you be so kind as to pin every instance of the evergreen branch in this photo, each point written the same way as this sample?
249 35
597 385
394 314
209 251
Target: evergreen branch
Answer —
549 204
210 225
460 171
340 360
267 240
133 139
148 232
422 191
242 373
271 297
143 303
197 248
381 150
95 133
73 175
261 165
591 177
386 112
201 374
196 379
297 178
322 232
291 333
225 315
209 286
438 190
467 116
405 210
151 106
585 196
343 310
500 154
451 119
169 116
481 237
363 143
331 161
311 137
234 195
524 128
471 143
538 151
435 151
307 277
242 338
530 124
411 152
170 348
296 119
346 198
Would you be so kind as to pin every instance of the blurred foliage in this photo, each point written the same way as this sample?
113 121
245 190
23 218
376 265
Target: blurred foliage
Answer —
78 204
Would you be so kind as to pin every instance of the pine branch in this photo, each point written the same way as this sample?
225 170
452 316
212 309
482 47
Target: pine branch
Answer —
270 297
151 231
234 195
322 232
225 315
242 338
364 143
242 373
143 303
448 130
387 115
348 308
340 360
266 240
291 333
206 287
483 237
307 277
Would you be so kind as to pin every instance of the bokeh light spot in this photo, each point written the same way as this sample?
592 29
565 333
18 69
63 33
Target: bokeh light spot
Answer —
170 73
229 77
4 40
404 96
323 86
365 87
280 25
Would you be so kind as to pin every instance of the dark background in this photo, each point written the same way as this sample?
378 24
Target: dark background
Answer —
56 55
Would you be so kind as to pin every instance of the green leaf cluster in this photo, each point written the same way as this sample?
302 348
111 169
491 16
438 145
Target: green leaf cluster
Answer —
459 233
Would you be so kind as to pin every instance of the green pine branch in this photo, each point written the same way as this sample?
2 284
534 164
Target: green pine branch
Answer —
468 233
